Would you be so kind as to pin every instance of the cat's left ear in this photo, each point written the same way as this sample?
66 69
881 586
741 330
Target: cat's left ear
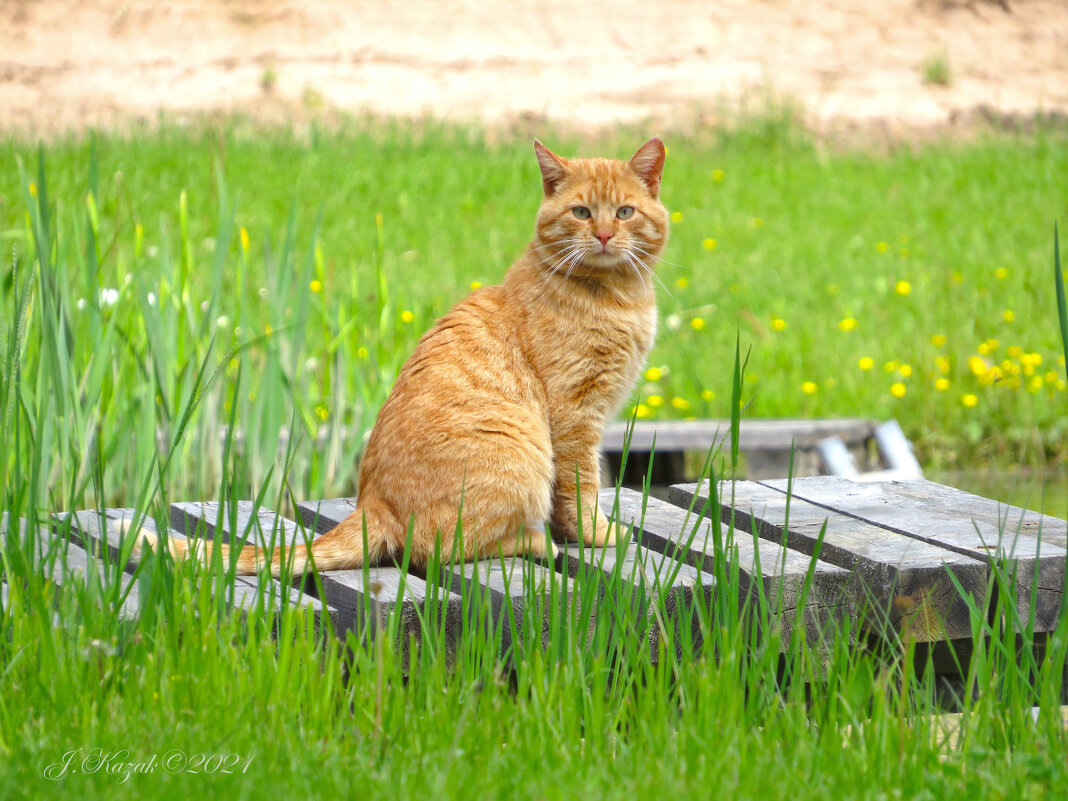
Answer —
553 168
648 163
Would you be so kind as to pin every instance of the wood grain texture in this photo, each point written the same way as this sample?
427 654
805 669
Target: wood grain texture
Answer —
1028 547
106 536
700 435
664 591
374 595
236 523
517 593
66 562
903 584
763 567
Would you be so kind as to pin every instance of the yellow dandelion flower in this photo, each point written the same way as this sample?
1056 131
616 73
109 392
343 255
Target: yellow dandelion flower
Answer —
1035 384
407 316
1008 315
809 387
361 353
718 175
707 394
681 404
847 324
866 363
655 401
697 324
642 411
709 244
882 247
898 389
903 288
676 216
316 285
476 285
942 384
1001 273
682 282
1051 377
938 340
905 370
1033 359
268 330
244 240
942 363
322 412
653 374
969 400
778 324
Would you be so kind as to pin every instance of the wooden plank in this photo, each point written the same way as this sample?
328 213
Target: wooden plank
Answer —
1004 536
64 561
700 435
905 584
238 521
378 592
762 565
107 535
667 591
520 594
321 516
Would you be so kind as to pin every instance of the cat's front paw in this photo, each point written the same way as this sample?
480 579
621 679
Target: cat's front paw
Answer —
607 533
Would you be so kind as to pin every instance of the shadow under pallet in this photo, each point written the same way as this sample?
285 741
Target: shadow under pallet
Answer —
815 557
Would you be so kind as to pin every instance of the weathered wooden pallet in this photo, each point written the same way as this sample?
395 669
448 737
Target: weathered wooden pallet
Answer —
772 447
898 559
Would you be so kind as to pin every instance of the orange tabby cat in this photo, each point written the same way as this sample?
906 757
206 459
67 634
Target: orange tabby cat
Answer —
500 410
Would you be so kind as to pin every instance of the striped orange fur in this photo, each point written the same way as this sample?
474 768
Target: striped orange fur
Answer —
499 412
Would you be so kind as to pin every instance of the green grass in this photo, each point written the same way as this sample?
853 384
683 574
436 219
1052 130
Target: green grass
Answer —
925 264
118 399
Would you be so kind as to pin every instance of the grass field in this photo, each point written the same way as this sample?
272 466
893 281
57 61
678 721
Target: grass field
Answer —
161 287
911 284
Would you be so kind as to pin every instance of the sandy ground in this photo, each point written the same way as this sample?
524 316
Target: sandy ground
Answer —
846 63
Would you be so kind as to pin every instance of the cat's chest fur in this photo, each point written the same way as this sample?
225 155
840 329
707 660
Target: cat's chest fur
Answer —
587 346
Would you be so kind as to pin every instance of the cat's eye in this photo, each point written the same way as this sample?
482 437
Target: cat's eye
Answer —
625 212
581 212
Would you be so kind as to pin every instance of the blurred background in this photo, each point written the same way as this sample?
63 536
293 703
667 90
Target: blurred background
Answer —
895 65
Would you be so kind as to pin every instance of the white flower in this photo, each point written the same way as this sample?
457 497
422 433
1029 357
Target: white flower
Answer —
673 322
152 251
151 298
263 291
223 322
311 365
108 296
80 304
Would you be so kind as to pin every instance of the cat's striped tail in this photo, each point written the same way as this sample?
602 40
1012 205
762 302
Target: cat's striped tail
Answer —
341 548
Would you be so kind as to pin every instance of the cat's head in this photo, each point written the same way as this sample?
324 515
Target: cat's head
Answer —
602 218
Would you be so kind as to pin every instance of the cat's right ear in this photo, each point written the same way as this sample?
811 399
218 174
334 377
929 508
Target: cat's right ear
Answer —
648 163
553 168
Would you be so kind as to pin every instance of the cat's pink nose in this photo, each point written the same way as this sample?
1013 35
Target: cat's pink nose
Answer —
604 237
